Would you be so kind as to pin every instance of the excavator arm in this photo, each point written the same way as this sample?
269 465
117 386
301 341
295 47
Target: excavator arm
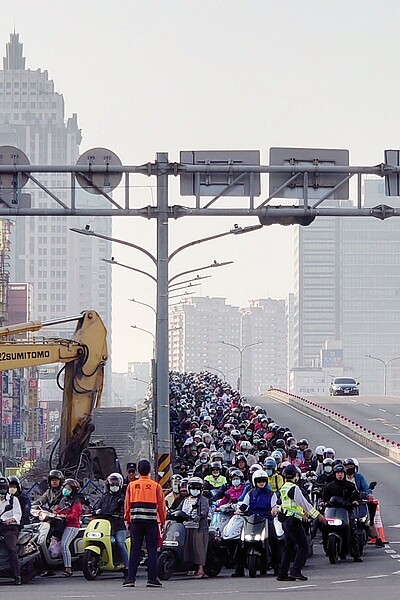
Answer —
84 356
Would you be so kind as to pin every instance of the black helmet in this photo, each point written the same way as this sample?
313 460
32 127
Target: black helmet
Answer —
280 443
14 482
339 468
4 484
240 457
56 474
303 441
290 471
73 484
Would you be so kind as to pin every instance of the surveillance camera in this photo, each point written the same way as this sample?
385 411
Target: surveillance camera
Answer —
87 227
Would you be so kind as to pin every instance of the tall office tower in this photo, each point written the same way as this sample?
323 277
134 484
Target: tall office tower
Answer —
289 308
370 289
65 269
317 298
264 363
197 329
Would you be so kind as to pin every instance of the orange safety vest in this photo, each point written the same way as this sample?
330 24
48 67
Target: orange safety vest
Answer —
144 501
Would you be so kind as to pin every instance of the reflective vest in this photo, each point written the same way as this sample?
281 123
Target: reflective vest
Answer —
215 483
275 482
289 507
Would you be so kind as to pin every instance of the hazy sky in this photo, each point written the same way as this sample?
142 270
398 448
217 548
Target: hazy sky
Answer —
177 75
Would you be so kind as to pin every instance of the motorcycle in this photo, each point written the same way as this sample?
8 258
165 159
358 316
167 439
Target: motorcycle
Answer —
28 556
50 560
101 553
254 542
171 557
336 529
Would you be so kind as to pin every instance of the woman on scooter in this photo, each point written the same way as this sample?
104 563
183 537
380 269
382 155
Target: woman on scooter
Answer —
70 508
111 507
233 493
196 541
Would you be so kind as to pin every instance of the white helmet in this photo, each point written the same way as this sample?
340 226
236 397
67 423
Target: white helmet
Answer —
320 450
259 475
245 446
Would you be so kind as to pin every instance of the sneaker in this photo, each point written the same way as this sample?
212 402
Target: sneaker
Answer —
299 576
379 543
155 584
17 581
239 573
358 559
128 583
285 578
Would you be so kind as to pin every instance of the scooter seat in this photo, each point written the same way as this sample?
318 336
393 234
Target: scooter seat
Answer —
24 538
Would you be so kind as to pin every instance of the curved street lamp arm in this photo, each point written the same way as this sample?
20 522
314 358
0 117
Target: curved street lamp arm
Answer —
392 359
376 358
213 265
115 262
117 241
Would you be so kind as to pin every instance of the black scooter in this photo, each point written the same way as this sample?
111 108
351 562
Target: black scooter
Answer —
28 555
336 529
255 546
171 557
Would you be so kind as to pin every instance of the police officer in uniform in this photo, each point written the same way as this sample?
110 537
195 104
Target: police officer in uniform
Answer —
294 508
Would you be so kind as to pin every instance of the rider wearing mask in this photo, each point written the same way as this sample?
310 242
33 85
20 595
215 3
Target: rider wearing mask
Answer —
228 452
327 472
215 480
174 493
111 507
352 474
346 490
202 466
275 480
70 508
234 492
245 448
53 495
16 491
10 519
196 539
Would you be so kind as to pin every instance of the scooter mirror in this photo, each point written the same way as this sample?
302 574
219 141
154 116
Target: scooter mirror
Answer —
373 485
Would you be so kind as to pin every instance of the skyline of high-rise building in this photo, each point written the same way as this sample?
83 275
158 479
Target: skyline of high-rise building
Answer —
65 270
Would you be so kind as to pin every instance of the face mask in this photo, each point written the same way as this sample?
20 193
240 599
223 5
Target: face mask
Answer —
249 433
235 482
203 461
328 469
270 472
175 489
114 488
3 493
12 490
194 493
350 471
66 493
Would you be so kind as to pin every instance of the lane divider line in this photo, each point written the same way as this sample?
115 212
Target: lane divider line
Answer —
297 587
345 581
377 576
382 409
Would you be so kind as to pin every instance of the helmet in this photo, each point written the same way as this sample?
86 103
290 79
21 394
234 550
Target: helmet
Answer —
280 443
339 468
290 472
347 461
270 463
308 453
255 468
217 455
287 435
327 465
73 484
277 456
260 475
303 441
319 450
292 451
239 457
245 446
195 483
4 484
216 465
337 461
115 479
14 482
204 458
56 474
176 478
228 440
236 434
237 473
329 453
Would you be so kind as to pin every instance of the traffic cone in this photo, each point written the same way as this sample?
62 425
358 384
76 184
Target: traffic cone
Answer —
378 523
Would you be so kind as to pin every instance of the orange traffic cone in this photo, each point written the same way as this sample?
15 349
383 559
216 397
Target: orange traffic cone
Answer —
378 523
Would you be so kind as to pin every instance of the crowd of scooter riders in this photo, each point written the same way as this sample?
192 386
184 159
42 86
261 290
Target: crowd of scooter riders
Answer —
241 483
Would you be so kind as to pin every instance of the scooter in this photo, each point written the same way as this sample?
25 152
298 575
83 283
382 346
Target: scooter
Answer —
221 517
361 515
42 535
171 554
28 556
101 552
254 541
336 529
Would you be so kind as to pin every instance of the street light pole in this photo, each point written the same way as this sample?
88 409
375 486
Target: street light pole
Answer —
241 350
224 375
385 366
163 449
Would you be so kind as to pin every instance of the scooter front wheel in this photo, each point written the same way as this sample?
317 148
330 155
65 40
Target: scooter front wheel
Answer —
333 549
252 565
91 565
165 566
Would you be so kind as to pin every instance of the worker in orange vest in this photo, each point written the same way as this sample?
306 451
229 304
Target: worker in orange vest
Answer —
144 509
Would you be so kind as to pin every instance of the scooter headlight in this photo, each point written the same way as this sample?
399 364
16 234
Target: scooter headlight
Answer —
248 537
257 537
362 519
94 535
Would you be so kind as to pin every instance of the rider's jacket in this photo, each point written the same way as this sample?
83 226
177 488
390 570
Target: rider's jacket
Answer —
232 495
144 501
111 507
260 502
50 499
361 484
275 482
215 482
342 489
289 506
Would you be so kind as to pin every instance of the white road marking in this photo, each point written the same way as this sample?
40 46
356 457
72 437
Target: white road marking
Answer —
353 400
382 409
377 576
395 526
366 404
346 437
397 415
345 581
396 573
295 587
390 551
395 556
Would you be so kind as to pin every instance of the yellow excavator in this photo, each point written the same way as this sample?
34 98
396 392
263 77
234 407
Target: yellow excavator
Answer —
84 357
